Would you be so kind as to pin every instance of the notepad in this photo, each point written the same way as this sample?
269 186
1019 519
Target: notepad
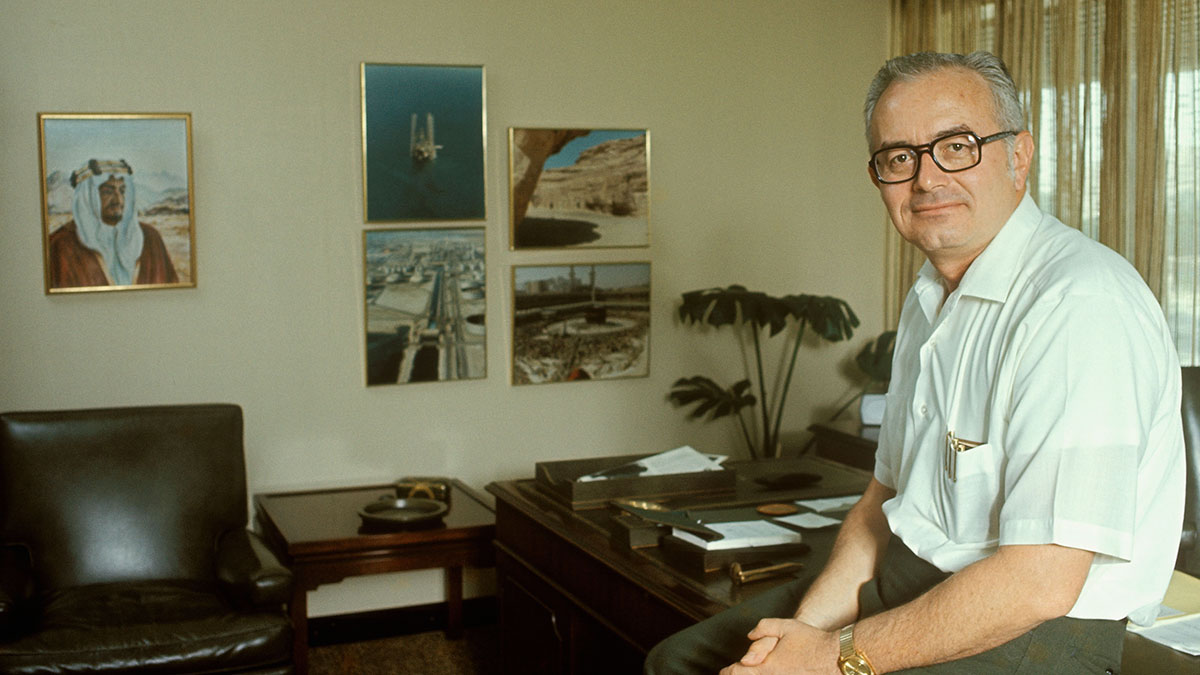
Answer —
742 534
830 503
810 521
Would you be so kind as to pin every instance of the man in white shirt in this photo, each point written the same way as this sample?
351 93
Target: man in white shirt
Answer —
1028 488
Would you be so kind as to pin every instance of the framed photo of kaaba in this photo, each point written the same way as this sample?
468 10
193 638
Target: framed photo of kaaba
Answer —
579 188
423 143
582 321
426 301
117 201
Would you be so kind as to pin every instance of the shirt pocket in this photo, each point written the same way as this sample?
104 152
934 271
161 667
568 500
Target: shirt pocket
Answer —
970 504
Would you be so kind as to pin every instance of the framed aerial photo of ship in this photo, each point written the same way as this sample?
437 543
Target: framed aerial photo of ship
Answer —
425 304
116 201
579 188
577 322
423 143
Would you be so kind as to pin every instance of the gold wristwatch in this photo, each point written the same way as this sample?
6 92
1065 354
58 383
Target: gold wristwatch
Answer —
851 661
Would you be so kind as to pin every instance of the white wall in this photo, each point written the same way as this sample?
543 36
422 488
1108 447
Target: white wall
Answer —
757 177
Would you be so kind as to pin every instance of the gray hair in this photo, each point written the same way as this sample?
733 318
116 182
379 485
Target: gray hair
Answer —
1005 103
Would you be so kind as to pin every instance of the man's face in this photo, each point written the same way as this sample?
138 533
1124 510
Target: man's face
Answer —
951 217
112 200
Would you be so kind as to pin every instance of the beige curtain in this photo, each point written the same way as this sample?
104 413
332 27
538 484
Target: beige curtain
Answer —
1112 95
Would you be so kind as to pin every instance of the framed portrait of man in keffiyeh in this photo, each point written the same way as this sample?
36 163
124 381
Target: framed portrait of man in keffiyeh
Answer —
117 201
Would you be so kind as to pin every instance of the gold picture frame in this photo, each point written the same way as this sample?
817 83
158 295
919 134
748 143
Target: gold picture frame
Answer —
425 304
578 188
117 201
580 321
424 142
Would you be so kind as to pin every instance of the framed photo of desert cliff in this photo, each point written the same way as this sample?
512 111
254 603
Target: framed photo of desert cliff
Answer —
117 201
579 188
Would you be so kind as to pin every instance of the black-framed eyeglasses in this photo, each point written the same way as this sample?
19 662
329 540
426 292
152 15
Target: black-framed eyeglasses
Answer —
958 151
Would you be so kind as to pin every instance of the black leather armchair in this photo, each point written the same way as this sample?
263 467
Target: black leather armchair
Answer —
124 547
1189 543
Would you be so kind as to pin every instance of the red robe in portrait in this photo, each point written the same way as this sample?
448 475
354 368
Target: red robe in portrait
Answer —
72 264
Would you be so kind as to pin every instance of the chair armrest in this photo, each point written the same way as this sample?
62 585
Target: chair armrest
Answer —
1189 550
16 588
250 571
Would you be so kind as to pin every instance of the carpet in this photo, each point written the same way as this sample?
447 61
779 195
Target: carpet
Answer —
476 653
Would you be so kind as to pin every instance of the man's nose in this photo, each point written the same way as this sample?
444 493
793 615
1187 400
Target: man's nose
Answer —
929 174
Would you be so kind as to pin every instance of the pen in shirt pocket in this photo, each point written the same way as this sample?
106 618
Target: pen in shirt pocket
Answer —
955 445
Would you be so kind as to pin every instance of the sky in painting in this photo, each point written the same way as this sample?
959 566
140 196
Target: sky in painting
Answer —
570 152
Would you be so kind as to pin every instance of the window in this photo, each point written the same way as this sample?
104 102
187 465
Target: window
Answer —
1112 92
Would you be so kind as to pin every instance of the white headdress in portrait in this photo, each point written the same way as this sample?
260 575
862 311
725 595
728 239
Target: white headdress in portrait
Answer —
121 245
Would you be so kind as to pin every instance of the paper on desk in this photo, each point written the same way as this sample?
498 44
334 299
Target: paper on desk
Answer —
742 534
685 459
830 503
1178 624
1182 633
809 521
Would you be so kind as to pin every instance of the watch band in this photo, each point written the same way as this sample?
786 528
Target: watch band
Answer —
851 661
846 642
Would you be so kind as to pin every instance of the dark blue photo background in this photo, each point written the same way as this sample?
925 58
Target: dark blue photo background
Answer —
450 187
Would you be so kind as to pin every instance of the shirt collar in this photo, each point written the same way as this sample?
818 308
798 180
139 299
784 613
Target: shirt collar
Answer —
991 274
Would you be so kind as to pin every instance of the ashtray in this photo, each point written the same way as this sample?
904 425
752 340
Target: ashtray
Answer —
391 512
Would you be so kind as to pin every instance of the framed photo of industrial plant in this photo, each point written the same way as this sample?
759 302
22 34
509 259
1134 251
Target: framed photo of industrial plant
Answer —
579 188
586 321
423 143
425 292
116 201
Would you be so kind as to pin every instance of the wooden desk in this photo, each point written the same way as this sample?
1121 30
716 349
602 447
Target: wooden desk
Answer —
573 601
319 534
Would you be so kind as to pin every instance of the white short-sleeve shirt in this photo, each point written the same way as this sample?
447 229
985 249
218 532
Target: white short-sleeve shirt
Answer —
1054 358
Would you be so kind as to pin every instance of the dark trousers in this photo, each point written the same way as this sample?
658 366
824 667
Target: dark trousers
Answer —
1061 646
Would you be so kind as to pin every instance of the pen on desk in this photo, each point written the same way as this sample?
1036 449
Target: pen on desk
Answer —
742 574
623 471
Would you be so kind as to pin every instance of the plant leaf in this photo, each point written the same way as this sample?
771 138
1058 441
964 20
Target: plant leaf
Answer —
715 401
875 359
721 307
830 317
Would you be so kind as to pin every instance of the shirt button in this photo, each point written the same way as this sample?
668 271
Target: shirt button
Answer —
924 411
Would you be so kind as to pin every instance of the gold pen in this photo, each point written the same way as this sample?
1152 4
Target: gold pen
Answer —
953 447
746 573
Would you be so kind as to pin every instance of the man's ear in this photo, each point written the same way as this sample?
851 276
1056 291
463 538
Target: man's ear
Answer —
871 173
1022 159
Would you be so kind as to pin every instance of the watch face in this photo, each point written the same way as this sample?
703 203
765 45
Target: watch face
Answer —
855 665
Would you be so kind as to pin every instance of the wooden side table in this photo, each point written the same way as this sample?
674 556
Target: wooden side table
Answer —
319 534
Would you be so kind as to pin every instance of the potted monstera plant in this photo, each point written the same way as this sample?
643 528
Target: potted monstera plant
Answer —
757 317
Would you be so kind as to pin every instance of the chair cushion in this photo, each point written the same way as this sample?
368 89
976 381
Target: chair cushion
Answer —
157 627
